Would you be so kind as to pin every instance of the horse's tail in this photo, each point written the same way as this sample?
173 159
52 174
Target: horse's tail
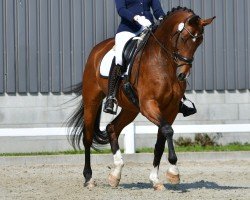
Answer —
76 130
75 122
100 137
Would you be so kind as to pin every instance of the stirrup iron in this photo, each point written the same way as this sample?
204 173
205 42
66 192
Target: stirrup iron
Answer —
111 110
187 111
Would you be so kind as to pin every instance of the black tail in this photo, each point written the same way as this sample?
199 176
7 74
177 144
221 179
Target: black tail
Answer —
100 137
75 122
76 128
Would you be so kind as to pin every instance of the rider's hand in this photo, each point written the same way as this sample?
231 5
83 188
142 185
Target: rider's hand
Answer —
142 21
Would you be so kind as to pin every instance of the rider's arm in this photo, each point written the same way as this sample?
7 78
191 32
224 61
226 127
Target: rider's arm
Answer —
157 9
123 11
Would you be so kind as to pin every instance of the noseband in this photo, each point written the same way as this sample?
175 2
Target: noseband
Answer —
176 55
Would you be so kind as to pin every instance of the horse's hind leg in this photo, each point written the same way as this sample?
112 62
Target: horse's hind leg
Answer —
114 129
89 119
91 106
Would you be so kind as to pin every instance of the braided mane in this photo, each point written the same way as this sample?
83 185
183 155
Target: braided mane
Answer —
179 8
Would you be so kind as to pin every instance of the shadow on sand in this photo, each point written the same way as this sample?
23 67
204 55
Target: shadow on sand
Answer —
184 187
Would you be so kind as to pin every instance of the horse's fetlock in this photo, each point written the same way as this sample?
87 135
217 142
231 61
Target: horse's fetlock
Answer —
172 159
87 173
119 163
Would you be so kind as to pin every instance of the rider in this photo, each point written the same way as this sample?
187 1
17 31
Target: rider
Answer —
135 17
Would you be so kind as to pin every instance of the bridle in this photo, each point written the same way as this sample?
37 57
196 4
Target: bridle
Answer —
176 54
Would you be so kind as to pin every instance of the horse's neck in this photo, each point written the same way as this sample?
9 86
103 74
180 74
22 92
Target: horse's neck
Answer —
156 62
158 51
163 35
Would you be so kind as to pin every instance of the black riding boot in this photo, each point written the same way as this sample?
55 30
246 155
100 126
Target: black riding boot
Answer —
185 110
114 77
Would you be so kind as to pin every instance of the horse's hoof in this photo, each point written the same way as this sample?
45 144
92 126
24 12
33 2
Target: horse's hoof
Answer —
113 181
159 187
172 178
90 184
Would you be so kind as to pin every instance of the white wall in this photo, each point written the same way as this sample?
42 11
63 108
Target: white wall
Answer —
52 110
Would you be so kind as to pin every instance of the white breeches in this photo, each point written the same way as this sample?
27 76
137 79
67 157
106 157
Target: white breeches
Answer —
120 41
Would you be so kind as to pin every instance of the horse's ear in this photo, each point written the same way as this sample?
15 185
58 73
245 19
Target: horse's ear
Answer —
194 20
205 22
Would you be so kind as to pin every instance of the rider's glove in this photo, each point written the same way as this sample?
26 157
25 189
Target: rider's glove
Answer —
142 21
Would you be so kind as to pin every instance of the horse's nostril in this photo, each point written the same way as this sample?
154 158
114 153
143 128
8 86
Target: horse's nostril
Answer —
181 76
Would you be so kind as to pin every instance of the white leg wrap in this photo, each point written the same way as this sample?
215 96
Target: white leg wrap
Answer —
173 169
153 177
118 161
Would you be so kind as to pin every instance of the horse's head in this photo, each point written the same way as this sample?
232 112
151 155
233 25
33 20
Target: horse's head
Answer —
186 34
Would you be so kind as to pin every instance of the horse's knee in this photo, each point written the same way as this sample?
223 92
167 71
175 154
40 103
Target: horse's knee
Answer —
167 131
113 138
110 128
87 141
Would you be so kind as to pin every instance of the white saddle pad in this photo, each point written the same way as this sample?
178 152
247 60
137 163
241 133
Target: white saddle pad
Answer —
106 63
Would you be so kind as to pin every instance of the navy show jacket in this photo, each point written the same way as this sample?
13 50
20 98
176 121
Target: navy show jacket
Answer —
127 9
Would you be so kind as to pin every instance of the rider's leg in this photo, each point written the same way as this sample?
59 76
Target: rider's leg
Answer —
116 70
114 76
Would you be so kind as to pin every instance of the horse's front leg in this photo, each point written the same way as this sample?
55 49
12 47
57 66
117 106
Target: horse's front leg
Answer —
165 132
172 173
114 129
159 149
151 110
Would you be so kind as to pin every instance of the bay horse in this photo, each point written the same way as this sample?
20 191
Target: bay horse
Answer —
159 75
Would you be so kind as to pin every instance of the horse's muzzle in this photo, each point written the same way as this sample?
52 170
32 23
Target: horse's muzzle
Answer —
183 72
